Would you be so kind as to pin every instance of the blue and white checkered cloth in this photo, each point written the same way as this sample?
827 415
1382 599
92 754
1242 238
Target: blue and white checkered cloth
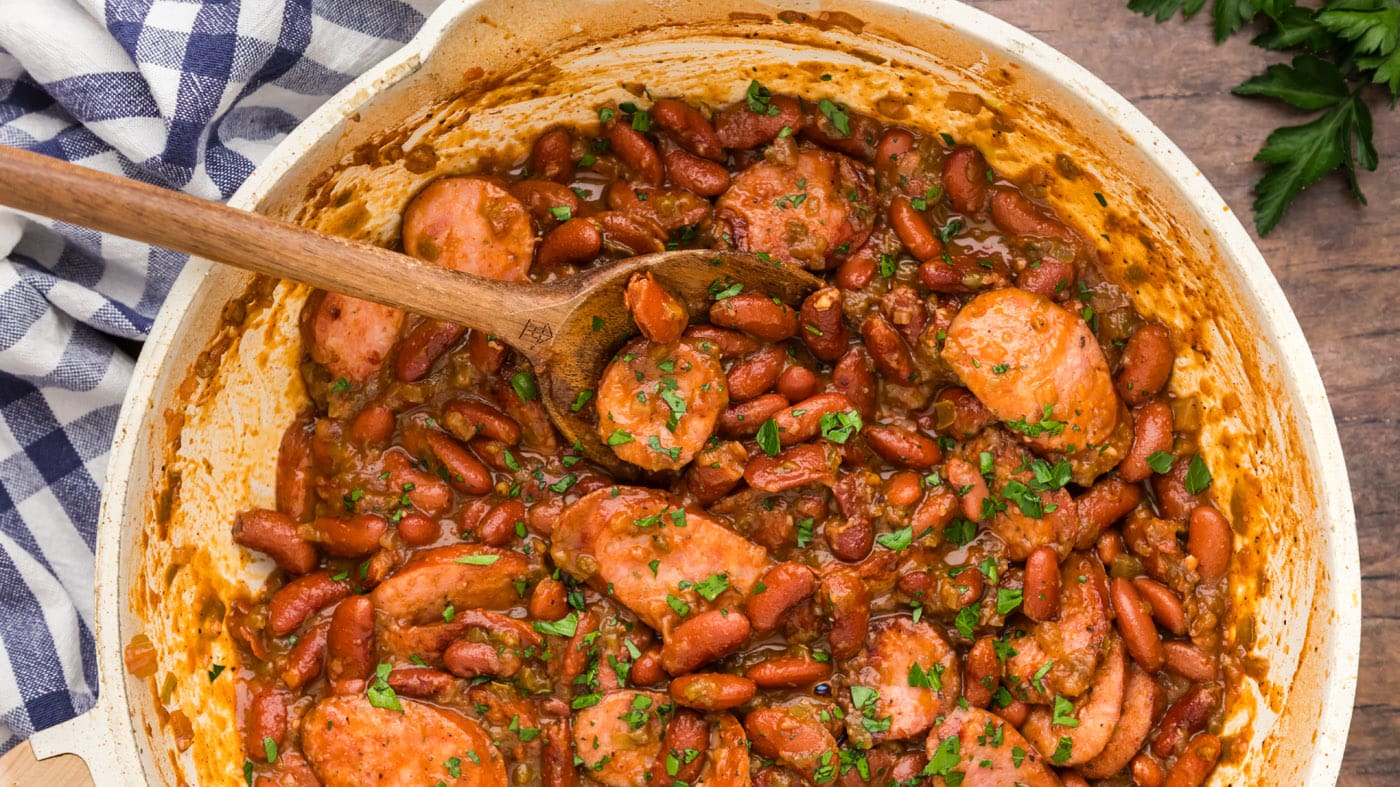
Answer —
187 94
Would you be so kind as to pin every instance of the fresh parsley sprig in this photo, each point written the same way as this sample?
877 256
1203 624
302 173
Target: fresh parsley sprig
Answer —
1342 47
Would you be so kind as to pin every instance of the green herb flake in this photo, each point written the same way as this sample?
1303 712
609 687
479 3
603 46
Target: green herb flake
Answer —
1159 461
1197 475
768 439
478 560
524 384
566 626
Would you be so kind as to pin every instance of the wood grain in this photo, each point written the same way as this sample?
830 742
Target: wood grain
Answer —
1337 263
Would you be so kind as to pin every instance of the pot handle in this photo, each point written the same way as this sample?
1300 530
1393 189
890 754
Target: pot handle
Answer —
89 736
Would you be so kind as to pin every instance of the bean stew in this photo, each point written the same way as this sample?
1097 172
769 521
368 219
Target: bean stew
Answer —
941 523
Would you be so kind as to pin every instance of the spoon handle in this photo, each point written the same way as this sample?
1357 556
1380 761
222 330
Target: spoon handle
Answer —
64 191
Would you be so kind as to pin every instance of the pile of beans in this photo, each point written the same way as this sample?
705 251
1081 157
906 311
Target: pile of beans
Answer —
942 522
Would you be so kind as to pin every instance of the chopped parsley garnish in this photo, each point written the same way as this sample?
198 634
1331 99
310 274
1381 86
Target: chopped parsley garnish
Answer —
580 400
898 539
920 678
966 621
1062 711
838 427
564 627
767 438
681 608
719 290
1159 461
380 693
478 560
1197 475
712 586
887 266
1008 600
524 384
1044 426
215 671
837 115
620 437
561 212
759 100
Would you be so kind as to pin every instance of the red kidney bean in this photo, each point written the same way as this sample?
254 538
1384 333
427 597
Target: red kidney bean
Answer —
744 419
423 345
756 315
858 269
487 354
557 767
855 379
1167 608
1147 363
1136 626
1047 277
784 587
1072 779
702 638
971 486
264 719
276 535
1146 772
1210 540
797 383
354 536
575 241
712 691
686 732
630 234
1041 598
306 658
464 471
788 672
646 670
497 527
965 180
903 447
420 682
982 673
350 645
914 230
1014 214
1170 490
636 151
903 489
1015 713
296 493
659 315
373 426
549 600
472 659
888 349
731 344
1152 432
299 599
552 156
737 126
690 128
850 539
693 173
757 374
847 601
894 142
969 415
1187 715
802 421
799 465
1108 546
1189 661
418 529
545 199
468 419
1107 501
1195 764
824 324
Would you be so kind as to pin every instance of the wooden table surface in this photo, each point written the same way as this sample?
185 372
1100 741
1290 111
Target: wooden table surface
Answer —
1338 264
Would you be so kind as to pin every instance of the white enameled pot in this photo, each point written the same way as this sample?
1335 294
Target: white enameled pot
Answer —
218 380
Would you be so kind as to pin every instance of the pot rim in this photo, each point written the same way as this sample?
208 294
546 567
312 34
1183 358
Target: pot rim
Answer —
105 734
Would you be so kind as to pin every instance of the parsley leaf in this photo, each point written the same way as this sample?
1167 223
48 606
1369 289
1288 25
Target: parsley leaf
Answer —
767 438
1197 475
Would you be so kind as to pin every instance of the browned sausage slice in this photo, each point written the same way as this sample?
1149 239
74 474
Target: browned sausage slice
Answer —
467 576
639 545
619 738
351 743
893 648
351 338
806 212
1141 697
472 225
659 403
1093 718
1040 370
727 760
986 751
1060 656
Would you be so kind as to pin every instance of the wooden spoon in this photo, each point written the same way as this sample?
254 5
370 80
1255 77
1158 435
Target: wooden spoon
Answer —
552 325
